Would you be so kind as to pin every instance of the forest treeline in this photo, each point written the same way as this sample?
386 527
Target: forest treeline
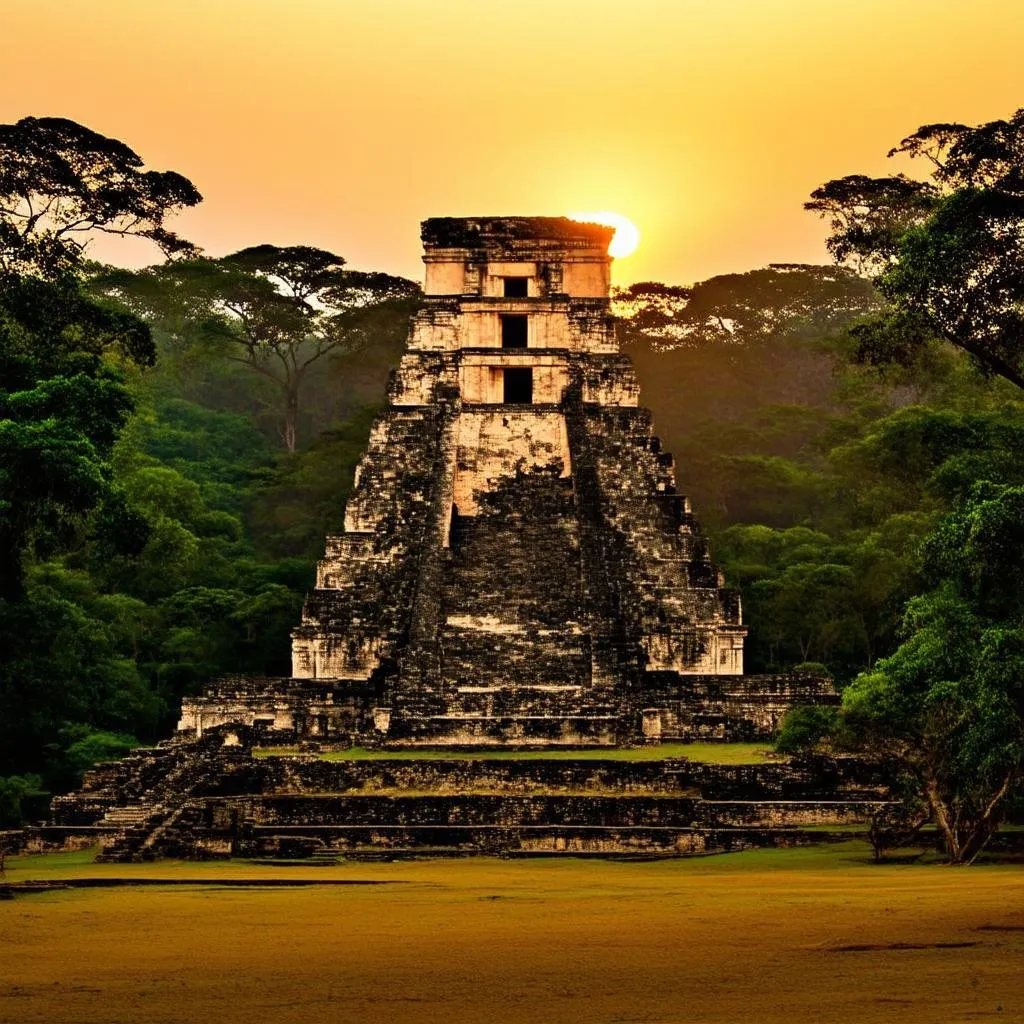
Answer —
175 442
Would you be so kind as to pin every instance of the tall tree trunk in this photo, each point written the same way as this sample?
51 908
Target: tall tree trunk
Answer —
291 415
966 834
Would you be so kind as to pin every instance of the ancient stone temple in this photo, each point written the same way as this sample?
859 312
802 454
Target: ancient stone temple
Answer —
516 570
517 565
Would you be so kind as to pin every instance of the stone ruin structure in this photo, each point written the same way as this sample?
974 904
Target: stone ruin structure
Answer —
516 570
210 797
517 565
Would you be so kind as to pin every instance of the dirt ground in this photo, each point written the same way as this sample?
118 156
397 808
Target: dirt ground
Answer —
790 936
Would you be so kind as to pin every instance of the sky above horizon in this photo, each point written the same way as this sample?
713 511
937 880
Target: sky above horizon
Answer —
344 123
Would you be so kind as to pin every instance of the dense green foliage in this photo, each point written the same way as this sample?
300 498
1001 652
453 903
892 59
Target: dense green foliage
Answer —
194 564
154 532
804 728
948 705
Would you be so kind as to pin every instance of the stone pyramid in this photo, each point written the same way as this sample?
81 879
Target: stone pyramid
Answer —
516 570
516 566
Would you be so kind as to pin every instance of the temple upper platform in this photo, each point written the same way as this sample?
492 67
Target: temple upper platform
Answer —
516 257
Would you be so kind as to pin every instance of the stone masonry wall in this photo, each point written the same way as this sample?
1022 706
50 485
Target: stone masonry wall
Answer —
211 797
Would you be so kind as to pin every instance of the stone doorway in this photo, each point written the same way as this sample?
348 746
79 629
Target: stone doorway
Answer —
518 382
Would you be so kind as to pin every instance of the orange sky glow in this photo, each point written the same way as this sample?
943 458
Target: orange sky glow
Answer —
343 123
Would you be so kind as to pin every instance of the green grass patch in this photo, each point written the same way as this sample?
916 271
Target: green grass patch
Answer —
82 864
709 753
64 862
572 872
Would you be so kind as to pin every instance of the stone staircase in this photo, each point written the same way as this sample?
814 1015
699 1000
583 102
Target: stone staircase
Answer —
303 807
514 649
130 817
129 804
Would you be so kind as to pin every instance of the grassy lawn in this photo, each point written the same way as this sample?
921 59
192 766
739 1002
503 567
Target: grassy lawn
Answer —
711 753
769 936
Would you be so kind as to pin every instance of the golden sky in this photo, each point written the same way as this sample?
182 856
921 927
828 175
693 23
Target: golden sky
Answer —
343 123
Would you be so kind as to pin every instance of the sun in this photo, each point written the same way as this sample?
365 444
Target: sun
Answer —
626 237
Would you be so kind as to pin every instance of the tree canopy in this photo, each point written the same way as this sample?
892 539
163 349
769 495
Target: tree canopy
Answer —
946 251
275 310
61 181
781 300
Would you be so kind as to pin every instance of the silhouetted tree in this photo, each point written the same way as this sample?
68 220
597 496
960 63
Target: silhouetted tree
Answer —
778 301
60 181
947 252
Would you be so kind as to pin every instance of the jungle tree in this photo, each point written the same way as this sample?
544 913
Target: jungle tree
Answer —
948 705
62 399
946 250
61 183
276 310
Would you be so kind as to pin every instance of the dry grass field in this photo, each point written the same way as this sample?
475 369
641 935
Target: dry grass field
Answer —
813 935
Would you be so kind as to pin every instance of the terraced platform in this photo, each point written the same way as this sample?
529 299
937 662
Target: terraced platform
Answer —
214 798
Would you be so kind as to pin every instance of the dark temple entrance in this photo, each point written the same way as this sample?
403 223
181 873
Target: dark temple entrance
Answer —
518 386
514 331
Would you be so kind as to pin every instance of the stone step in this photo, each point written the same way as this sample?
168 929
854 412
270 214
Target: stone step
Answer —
376 842
127 816
482 730
572 809
524 688
504 701
531 658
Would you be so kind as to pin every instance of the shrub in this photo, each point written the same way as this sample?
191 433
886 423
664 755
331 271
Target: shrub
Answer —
804 727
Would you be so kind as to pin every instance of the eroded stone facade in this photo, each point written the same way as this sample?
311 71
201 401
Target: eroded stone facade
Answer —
515 542
516 569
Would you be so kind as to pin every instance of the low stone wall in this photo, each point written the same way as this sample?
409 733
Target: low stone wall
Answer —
210 797
389 841
815 778
732 709
668 707
305 812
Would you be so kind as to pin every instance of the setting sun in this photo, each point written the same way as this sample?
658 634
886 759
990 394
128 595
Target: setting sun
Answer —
626 237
